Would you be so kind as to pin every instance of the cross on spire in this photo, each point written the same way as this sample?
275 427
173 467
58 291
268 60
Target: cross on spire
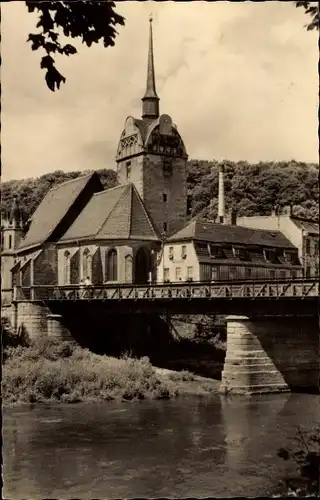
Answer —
150 101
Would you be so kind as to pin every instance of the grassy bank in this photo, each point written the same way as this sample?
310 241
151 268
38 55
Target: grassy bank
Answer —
51 371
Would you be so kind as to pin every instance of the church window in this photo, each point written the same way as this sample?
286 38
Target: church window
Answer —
167 166
128 169
66 268
87 265
164 197
10 241
112 265
128 268
189 204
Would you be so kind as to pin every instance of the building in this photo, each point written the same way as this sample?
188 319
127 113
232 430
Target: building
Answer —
138 231
207 251
303 234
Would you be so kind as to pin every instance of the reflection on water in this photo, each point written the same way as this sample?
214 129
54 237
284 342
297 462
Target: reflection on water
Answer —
186 447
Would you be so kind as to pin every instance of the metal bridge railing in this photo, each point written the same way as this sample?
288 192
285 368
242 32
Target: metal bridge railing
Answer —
299 288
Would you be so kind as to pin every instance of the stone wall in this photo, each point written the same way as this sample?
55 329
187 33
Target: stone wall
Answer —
32 317
271 354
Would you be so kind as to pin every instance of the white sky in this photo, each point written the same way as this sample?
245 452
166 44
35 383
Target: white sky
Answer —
240 80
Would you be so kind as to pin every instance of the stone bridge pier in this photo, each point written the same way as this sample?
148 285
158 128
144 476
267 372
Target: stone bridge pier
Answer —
37 319
271 354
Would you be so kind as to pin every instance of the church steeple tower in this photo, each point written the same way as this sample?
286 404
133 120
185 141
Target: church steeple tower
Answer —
150 101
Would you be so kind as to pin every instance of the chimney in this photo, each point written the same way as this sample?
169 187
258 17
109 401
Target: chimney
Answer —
233 217
221 208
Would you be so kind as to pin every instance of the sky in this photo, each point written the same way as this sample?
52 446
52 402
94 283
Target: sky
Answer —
239 79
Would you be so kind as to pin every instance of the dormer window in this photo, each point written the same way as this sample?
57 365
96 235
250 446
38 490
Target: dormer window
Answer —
289 256
269 254
215 251
240 253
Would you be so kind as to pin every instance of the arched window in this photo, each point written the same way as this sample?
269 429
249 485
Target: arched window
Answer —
87 265
66 268
128 268
112 265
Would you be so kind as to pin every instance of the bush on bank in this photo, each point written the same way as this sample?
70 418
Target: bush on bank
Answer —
50 370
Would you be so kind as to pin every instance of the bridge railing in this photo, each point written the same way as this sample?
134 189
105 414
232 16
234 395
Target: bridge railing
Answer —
187 290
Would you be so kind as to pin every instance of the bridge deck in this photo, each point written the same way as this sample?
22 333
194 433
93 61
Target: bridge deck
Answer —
298 289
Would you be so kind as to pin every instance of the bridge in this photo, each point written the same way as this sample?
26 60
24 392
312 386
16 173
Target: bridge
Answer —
272 325
224 297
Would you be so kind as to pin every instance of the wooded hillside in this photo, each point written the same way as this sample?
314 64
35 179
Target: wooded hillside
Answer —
250 189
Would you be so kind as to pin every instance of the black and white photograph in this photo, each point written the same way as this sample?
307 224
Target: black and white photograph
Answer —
160 249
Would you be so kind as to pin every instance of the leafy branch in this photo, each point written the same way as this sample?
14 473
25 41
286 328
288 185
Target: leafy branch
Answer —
89 21
313 12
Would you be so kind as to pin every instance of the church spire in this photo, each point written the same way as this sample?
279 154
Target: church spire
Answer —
150 101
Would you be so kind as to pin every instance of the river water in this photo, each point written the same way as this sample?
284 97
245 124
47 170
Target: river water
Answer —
187 447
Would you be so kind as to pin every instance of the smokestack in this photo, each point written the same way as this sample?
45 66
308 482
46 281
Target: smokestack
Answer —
221 195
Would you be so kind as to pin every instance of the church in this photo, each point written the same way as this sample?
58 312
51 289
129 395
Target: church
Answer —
139 231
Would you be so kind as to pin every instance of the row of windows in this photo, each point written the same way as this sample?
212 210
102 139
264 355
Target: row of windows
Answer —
111 266
178 274
232 272
183 252
216 251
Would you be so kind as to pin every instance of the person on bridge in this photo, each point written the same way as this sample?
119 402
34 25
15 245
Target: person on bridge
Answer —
81 289
88 285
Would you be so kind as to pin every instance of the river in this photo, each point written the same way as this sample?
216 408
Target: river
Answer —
186 447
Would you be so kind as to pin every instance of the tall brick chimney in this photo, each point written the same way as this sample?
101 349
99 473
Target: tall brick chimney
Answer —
221 204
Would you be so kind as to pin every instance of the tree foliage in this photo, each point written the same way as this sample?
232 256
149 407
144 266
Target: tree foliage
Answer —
31 191
254 189
249 189
312 9
89 21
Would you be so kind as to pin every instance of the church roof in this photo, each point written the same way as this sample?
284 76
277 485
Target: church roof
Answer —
56 207
117 213
222 233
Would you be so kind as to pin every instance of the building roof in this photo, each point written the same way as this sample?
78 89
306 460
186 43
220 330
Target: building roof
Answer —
310 226
222 234
53 208
117 213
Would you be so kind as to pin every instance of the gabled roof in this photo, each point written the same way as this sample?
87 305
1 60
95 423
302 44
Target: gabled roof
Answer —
55 206
222 233
116 213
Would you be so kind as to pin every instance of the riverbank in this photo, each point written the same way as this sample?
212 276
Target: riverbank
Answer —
54 371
